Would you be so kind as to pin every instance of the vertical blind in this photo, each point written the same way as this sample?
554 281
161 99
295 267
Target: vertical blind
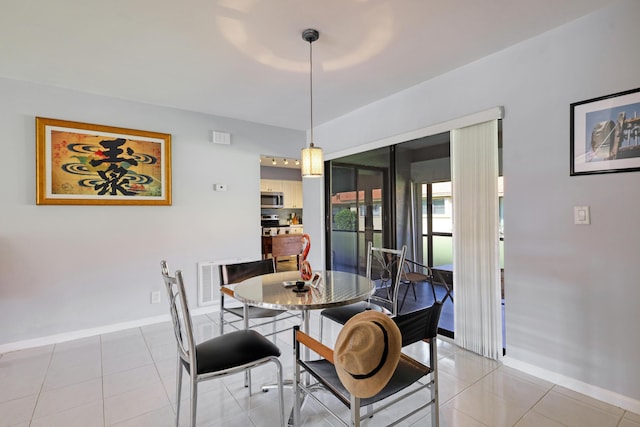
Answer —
474 173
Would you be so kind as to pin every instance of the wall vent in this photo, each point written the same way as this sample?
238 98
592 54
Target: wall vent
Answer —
218 137
209 280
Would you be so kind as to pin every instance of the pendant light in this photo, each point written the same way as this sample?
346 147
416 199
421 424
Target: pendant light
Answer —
312 161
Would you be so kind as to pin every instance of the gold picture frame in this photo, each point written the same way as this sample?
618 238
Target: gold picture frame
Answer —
88 164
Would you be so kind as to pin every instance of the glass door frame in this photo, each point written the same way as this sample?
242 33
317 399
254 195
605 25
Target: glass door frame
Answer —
388 215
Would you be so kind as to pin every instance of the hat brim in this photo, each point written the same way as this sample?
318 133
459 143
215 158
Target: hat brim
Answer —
368 387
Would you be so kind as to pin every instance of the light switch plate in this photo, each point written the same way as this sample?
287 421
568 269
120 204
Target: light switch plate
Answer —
581 215
155 297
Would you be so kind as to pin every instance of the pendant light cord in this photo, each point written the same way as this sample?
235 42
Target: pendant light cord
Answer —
312 163
311 87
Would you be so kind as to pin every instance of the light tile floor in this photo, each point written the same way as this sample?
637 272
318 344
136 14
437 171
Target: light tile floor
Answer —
128 379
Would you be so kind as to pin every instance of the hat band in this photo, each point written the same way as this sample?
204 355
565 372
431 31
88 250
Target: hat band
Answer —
383 358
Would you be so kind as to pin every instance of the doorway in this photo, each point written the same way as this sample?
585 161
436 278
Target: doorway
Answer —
393 196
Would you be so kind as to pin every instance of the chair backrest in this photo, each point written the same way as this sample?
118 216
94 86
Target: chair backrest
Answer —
385 267
419 324
234 273
180 316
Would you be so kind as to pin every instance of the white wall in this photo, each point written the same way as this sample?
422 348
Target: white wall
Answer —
68 268
571 291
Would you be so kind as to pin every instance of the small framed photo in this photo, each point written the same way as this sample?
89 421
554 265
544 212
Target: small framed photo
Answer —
605 134
88 164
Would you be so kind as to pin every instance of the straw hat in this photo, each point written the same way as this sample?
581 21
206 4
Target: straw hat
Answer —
366 353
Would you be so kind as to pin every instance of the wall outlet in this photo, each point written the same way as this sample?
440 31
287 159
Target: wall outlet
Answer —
155 297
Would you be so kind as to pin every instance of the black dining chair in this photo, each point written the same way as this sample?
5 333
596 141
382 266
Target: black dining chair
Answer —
406 381
385 267
237 272
233 273
223 355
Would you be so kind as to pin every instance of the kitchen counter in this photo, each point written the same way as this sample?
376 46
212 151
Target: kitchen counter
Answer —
282 229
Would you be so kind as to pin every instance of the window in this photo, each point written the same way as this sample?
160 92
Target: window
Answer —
438 206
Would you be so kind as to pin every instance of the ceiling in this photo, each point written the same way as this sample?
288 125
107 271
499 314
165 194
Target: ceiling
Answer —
246 59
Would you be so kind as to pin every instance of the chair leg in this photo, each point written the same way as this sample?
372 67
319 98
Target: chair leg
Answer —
368 412
433 291
178 391
247 373
435 392
273 330
247 380
221 313
296 393
194 399
321 327
283 423
245 316
403 298
355 411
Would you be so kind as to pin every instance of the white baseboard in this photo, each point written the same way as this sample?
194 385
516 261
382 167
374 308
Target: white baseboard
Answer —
85 333
598 393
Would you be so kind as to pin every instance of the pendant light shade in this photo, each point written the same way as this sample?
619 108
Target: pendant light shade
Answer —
312 161
312 158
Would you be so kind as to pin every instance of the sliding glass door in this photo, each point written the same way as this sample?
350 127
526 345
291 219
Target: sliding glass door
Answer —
394 196
359 212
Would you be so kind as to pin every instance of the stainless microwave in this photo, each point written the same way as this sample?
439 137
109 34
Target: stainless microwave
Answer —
270 199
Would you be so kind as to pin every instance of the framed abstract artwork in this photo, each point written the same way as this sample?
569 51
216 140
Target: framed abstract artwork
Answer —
88 164
605 134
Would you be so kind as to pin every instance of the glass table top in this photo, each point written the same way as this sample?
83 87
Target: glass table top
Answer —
334 289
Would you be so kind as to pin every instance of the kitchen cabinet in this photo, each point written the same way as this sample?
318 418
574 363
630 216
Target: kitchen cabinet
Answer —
271 185
292 194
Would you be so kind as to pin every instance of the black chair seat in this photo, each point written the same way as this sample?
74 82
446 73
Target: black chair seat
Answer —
233 349
255 312
342 314
405 375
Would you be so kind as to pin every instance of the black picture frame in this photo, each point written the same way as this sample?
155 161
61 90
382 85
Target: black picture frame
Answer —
605 134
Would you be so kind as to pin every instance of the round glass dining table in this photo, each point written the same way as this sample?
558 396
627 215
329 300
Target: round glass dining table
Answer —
335 288
275 291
